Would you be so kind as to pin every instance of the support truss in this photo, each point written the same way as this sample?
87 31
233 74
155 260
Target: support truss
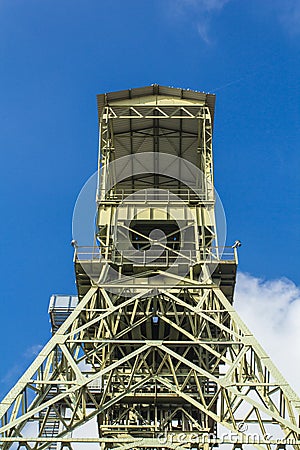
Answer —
201 358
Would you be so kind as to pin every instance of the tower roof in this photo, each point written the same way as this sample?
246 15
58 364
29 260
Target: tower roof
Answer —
163 93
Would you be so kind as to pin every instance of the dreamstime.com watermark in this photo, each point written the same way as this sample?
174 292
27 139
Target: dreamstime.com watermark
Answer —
231 437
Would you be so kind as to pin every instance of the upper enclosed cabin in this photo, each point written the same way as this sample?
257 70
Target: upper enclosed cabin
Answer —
157 119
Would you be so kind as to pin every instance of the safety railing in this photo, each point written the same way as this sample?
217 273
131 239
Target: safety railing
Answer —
156 257
150 195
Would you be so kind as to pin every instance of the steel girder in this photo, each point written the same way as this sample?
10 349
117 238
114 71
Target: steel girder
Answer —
92 367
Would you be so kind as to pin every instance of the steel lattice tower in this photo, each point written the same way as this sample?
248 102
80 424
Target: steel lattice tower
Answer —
152 349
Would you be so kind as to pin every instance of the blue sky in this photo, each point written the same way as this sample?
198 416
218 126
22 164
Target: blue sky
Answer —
56 56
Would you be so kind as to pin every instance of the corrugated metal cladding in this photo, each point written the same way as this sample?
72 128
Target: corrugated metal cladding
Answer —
182 144
155 89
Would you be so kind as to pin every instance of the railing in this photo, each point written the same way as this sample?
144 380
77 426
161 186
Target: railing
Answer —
151 195
155 257
60 307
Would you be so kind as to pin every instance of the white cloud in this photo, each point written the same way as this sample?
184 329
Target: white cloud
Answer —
206 5
289 15
271 309
16 370
201 11
285 12
33 351
203 30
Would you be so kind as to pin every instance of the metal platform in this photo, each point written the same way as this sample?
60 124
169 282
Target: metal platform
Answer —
60 307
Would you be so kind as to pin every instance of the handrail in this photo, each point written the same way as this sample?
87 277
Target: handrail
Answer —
142 195
160 256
